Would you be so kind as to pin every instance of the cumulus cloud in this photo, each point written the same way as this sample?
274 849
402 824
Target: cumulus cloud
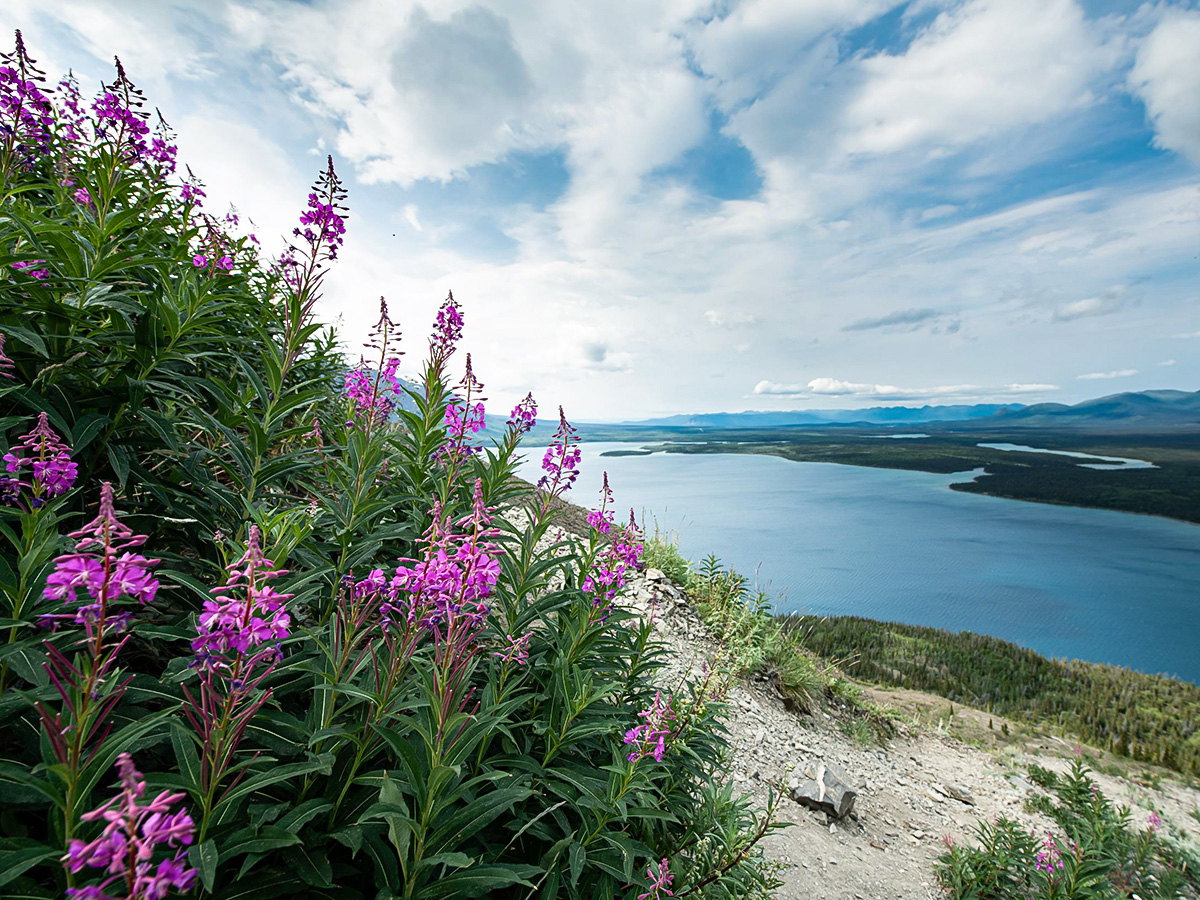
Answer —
903 319
1167 362
837 388
1166 75
1102 305
600 357
1099 376
723 319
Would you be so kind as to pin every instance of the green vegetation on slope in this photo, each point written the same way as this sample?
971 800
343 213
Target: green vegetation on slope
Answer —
1148 717
1097 853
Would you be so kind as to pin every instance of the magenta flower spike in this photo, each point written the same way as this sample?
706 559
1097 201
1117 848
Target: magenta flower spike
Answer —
447 329
660 881
26 114
49 460
134 831
6 365
524 416
104 566
561 462
650 737
372 392
72 117
247 611
119 117
466 417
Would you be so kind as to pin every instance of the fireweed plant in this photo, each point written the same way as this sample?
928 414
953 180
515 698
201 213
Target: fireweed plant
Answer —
1095 852
274 625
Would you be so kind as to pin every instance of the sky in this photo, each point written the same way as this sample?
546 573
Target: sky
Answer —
649 207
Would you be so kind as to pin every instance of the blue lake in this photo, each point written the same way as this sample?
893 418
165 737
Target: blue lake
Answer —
901 546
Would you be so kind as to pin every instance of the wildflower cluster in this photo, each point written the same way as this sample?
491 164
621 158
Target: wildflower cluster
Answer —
6 364
48 459
323 222
447 329
26 114
561 461
133 833
119 117
34 268
660 881
72 118
373 392
650 737
457 572
523 417
621 554
247 613
465 417
1049 857
516 649
105 566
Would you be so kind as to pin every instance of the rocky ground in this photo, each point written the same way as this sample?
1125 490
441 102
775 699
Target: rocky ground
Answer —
924 788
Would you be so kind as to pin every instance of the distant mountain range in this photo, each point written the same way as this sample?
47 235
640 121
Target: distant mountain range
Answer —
875 415
1141 411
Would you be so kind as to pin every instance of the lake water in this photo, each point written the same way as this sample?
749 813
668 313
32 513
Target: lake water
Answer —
901 546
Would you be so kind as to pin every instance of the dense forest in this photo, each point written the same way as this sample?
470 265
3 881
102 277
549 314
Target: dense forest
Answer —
1148 717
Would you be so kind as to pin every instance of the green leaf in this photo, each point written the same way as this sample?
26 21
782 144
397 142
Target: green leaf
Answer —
186 755
480 880
204 860
320 764
17 855
311 863
269 837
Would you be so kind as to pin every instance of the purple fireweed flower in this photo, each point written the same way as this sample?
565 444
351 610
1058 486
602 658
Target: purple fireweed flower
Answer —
660 881
602 519
6 365
119 118
650 737
105 566
1049 858
247 612
524 416
1153 821
191 192
466 418
72 117
199 260
561 462
49 459
445 590
26 115
372 393
323 222
447 329
516 650
83 198
161 154
134 830
28 268
225 263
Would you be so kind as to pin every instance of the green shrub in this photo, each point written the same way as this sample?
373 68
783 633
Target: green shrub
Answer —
1097 853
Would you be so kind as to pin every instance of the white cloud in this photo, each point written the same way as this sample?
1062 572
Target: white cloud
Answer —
410 216
1167 362
1186 335
1091 306
1166 75
849 390
722 319
979 69
1098 376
